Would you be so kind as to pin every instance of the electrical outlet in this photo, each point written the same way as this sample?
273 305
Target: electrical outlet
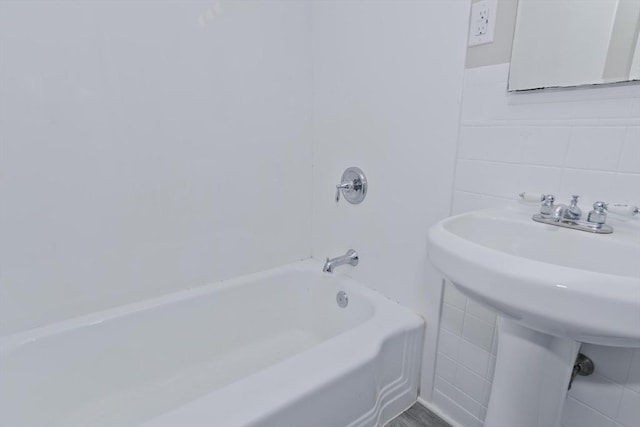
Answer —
484 13
483 22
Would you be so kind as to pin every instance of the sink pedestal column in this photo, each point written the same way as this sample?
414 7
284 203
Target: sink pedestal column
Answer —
531 377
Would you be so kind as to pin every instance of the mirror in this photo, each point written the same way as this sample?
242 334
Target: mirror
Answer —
560 43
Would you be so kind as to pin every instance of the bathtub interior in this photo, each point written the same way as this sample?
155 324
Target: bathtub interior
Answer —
123 370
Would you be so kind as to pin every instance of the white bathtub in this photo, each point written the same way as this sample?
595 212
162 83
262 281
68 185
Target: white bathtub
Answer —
270 349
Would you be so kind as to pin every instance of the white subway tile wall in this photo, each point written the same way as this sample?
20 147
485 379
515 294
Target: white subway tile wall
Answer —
466 358
575 141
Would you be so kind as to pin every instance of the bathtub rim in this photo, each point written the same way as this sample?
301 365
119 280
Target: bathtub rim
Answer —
310 265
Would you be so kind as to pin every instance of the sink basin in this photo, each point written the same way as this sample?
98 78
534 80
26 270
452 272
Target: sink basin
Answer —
553 288
563 282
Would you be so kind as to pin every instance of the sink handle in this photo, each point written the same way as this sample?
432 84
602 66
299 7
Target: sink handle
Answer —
531 197
547 206
599 213
623 209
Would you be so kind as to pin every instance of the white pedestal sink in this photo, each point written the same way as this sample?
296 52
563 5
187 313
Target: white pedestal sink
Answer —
553 288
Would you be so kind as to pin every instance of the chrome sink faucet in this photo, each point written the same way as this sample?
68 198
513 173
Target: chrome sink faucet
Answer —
571 212
351 257
570 216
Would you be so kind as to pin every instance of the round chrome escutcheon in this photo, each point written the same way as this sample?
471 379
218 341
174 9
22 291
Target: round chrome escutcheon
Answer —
358 190
342 299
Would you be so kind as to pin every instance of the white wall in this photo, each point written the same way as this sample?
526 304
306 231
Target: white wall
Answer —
147 147
581 141
387 82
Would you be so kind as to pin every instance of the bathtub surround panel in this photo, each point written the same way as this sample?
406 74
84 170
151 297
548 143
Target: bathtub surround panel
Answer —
386 99
355 366
146 147
578 141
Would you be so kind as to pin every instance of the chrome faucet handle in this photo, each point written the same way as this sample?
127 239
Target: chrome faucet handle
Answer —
547 204
343 186
599 213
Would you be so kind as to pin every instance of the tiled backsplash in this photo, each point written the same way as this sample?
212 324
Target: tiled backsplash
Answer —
575 141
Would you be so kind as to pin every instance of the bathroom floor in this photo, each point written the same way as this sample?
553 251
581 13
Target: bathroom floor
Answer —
417 416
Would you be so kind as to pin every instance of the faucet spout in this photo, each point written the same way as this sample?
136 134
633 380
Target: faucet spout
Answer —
351 257
559 212
566 213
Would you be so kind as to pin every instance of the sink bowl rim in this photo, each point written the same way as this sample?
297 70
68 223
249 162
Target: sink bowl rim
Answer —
546 295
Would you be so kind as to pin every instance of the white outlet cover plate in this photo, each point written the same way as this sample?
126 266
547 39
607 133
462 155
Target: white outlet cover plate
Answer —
481 31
